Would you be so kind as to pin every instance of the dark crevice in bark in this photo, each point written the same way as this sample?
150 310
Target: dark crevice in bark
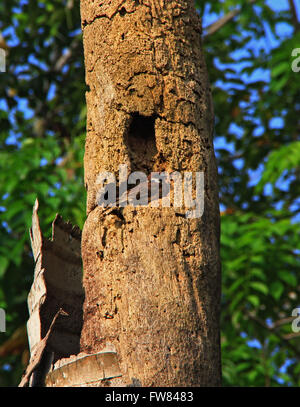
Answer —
141 142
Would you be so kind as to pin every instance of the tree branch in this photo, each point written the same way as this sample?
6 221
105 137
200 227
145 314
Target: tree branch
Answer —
292 336
281 322
217 25
279 336
64 58
295 20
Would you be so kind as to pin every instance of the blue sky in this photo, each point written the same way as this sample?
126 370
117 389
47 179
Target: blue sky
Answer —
268 42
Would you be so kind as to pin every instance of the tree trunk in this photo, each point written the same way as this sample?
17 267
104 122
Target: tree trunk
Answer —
151 275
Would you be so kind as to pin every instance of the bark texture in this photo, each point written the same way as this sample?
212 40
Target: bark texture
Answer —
151 276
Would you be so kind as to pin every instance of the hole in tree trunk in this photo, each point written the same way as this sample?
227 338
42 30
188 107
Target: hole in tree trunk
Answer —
122 12
141 143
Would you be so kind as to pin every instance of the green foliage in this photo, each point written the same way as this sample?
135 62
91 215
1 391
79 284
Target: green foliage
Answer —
256 97
255 88
282 161
42 114
260 269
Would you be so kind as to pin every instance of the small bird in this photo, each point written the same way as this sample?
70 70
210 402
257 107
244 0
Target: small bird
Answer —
148 191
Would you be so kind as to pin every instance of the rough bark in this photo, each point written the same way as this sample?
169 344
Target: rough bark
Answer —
151 276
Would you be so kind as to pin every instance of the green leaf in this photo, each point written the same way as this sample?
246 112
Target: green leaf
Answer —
259 286
258 273
288 277
254 300
276 289
280 68
3 265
